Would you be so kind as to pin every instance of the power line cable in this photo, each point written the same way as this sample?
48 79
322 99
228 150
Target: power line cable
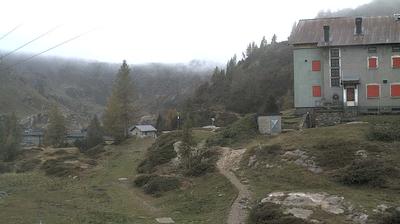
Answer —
49 49
33 40
15 28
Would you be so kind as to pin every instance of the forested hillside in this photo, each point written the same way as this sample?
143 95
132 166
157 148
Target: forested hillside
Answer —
81 88
375 8
246 86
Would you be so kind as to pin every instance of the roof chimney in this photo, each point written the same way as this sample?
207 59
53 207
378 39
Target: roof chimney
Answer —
358 25
326 34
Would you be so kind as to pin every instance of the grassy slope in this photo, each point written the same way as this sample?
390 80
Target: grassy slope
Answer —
293 178
98 196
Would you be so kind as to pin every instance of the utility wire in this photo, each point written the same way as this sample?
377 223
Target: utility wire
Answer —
5 35
35 39
49 49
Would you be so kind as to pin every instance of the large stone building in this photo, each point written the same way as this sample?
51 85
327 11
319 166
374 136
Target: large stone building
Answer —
350 62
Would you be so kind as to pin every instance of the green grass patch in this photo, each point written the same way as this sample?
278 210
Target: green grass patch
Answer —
239 131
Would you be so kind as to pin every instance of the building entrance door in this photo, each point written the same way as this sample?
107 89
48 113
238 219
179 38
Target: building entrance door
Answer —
350 96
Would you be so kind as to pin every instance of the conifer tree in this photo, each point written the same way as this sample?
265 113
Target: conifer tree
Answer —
187 143
94 135
120 105
160 123
56 129
10 137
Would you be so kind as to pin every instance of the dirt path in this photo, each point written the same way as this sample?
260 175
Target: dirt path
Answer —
229 161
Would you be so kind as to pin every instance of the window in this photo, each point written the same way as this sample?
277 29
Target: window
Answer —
396 48
316 66
335 81
335 53
335 67
372 62
373 90
372 50
396 62
395 90
335 72
335 63
316 91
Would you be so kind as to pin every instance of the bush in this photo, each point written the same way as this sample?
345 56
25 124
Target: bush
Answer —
162 151
202 162
158 184
269 213
141 180
5 167
29 165
57 167
363 172
385 132
236 132
390 216
95 151
335 154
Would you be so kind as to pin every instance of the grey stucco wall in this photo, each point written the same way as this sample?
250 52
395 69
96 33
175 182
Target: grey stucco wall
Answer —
354 61
305 78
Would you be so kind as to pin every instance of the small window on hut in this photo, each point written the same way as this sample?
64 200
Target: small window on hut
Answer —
316 91
396 62
395 90
372 50
316 66
373 91
396 48
372 62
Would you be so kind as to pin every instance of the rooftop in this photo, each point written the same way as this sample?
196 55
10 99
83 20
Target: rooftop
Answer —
143 128
375 30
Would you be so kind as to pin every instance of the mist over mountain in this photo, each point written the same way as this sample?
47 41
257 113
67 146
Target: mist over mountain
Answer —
81 87
375 8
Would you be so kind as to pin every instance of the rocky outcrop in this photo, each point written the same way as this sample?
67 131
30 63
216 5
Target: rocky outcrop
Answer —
301 158
303 205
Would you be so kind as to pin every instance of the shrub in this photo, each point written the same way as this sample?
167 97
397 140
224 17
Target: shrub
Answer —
390 216
236 132
335 154
95 151
162 151
202 162
29 165
385 132
158 184
269 213
57 167
141 180
5 167
363 172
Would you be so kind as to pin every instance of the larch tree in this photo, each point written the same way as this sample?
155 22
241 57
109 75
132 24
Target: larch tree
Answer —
56 129
120 105
10 137
94 135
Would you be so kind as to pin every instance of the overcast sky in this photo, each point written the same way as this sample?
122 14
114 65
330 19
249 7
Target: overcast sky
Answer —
154 30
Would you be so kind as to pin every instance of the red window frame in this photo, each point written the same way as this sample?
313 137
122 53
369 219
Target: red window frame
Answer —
373 90
373 62
395 61
395 90
316 91
316 66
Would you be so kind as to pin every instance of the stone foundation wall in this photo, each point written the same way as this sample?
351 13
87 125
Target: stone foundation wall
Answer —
323 119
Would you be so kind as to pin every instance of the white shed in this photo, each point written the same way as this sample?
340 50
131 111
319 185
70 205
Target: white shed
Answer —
142 131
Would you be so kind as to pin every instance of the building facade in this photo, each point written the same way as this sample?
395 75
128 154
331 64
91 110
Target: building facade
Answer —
347 62
142 131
